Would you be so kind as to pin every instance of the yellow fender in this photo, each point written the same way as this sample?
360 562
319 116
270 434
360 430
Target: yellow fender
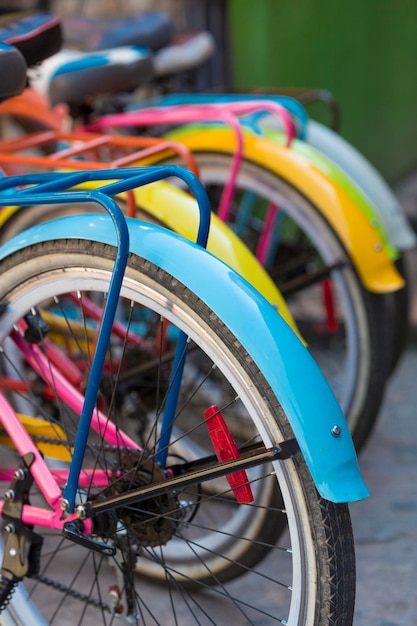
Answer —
360 239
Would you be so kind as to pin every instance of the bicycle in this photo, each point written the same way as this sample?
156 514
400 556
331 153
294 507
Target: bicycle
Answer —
115 502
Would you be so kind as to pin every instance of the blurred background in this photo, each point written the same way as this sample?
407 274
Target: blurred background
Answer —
363 53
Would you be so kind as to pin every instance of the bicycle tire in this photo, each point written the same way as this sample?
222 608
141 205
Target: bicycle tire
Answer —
318 547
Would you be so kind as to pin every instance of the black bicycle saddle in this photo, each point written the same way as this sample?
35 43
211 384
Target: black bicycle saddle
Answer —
36 36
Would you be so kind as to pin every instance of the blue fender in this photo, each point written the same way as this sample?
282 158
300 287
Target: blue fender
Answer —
287 365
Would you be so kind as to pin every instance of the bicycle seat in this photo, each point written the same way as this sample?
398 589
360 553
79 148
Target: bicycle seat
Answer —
186 52
73 76
36 36
149 29
12 72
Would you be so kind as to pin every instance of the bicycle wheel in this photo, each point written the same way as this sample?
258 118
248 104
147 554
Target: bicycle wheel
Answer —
194 541
346 327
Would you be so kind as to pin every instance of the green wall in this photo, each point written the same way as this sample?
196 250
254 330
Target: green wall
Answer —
363 51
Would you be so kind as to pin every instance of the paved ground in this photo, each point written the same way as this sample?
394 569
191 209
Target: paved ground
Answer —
386 524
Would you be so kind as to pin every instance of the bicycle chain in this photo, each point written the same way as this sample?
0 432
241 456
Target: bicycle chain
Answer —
49 582
7 589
